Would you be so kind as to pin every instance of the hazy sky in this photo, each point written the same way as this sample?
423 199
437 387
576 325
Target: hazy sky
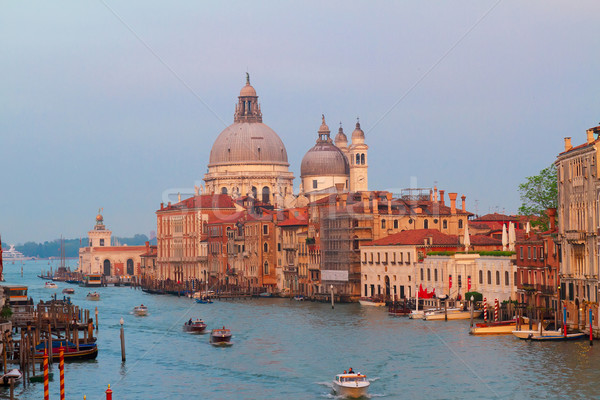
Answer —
114 104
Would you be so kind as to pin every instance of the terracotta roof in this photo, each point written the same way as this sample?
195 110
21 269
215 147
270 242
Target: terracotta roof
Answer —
417 237
496 217
482 240
204 201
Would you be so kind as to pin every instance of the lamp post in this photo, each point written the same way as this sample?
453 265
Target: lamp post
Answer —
472 308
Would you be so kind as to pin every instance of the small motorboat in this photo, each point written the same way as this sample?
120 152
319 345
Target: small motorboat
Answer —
14 374
93 296
496 328
399 309
68 291
558 338
299 298
265 294
194 326
220 337
546 329
451 313
371 301
205 300
50 285
140 310
353 385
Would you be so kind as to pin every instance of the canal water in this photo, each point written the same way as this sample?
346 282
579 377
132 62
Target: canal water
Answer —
291 350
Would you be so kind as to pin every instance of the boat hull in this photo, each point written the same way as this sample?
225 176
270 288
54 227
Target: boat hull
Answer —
371 302
534 333
353 392
72 354
220 337
558 338
441 316
196 327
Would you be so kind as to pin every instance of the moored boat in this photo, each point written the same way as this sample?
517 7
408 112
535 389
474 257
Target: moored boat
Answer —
558 338
68 291
14 374
494 328
545 329
351 385
194 326
399 309
50 285
450 314
265 294
140 310
204 301
371 301
220 337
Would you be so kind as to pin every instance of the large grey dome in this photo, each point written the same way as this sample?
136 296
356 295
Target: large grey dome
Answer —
248 143
324 159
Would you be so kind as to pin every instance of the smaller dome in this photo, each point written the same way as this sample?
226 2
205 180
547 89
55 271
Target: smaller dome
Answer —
324 128
324 159
358 133
340 138
248 90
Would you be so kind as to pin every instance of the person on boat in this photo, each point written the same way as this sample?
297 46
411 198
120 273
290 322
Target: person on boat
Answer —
350 371
345 372
190 322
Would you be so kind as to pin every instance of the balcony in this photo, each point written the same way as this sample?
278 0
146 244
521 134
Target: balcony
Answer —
290 269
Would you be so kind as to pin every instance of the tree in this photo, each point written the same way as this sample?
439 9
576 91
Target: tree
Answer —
539 193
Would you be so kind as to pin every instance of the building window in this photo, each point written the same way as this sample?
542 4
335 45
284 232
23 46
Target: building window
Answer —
362 158
278 246
357 159
383 224
315 185
480 277
497 277
266 268
529 252
421 273
266 247
395 224
535 253
506 280
426 224
428 274
489 274
521 251
265 229
435 274
460 224
101 242
445 224
223 190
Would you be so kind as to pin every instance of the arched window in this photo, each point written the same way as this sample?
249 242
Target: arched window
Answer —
489 274
445 224
497 277
254 192
223 190
107 267
460 224
506 279
266 194
426 224
383 224
362 158
266 268
266 247
480 277
357 159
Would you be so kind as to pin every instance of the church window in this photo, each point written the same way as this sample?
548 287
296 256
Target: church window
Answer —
223 190
489 276
266 194
357 159
362 158
315 185
497 277
426 224
101 242
254 192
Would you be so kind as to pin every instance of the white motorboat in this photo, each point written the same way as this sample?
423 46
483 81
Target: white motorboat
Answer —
451 313
416 314
95 296
14 374
140 310
351 385
539 332
50 285
371 301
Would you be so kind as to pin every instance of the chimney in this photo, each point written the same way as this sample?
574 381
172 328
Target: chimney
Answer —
169 204
375 203
568 145
464 207
552 215
442 196
389 202
337 202
147 246
162 205
365 198
452 197
344 199
430 195
435 194
339 187
590 135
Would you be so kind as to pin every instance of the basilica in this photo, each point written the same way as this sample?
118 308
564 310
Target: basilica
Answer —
249 159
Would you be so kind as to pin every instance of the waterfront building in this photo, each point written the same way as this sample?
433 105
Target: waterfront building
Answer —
248 158
390 266
578 171
292 232
537 258
148 262
102 256
183 236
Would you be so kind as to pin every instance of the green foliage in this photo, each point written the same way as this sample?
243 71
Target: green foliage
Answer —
6 312
441 253
539 193
476 295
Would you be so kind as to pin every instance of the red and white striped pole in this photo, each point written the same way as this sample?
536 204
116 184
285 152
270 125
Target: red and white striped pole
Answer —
46 378
496 306
61 368
485 307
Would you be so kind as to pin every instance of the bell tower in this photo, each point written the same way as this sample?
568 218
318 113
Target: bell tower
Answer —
357 154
